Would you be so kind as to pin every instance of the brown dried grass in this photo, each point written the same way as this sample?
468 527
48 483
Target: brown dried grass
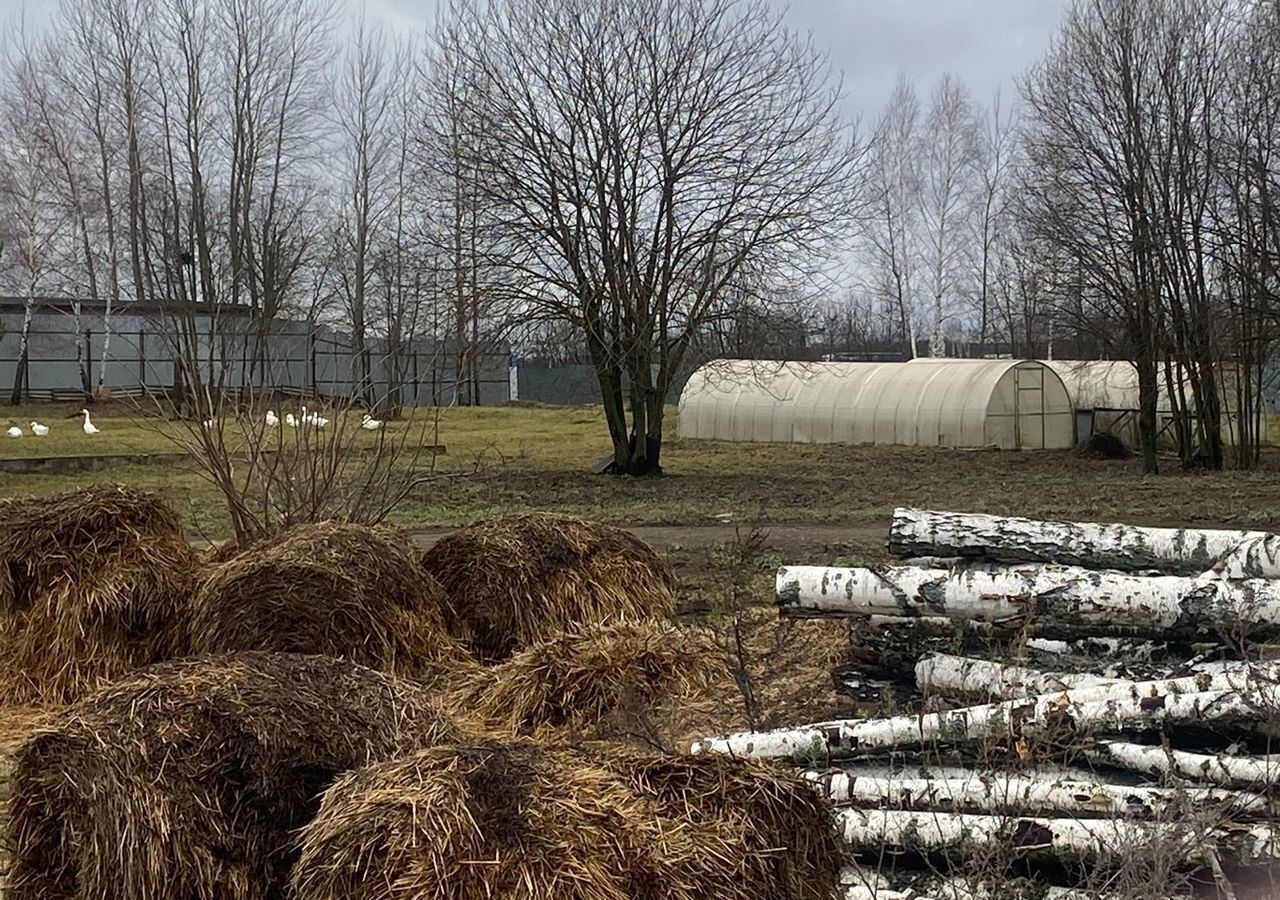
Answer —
338 589
523 821
189 778
595 681
513 580
92 585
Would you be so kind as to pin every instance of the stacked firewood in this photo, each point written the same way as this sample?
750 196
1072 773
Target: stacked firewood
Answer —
1069 695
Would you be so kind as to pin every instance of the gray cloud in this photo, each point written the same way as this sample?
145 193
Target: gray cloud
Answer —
987 43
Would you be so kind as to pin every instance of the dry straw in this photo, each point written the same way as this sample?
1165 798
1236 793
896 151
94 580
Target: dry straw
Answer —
513 580
92 583
522 821
338 589
189 778
595 681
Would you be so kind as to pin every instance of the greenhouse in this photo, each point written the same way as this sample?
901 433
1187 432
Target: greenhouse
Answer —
1009 404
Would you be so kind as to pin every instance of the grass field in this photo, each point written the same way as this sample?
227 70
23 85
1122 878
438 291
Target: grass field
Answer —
516 458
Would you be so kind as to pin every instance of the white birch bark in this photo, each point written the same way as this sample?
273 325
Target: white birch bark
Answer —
1010 794
1074 598
1188 551
1042 838
1213 768
962 676
1032 717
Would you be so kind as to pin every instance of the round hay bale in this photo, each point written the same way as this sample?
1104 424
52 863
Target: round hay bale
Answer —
513 580
521 821
599 680
92 585
188 778
332 588
1102 445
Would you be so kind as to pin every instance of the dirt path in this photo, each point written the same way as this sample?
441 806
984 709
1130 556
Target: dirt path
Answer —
787 538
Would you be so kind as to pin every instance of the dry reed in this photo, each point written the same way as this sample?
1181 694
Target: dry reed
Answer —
92 584
523 821
513 580
189 778
338 589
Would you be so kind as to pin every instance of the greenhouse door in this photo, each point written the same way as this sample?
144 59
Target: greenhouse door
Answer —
1029 406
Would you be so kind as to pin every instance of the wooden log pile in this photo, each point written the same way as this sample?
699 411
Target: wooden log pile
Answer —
1073 698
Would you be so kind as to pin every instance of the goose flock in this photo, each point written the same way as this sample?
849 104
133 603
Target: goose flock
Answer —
314 419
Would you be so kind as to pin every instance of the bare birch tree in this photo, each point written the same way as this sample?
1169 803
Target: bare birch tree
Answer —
950 151
893 206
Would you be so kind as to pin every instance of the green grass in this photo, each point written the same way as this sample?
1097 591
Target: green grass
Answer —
538 458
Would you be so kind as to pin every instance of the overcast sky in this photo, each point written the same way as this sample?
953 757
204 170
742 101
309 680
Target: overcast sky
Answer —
988 43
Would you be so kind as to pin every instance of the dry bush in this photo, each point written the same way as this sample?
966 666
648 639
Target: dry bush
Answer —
513 580
523 821
92 584
594 681
188 778
342 590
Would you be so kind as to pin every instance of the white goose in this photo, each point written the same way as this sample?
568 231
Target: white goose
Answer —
14 431
318 420
273 421
369 423
290 420
89 427
39 430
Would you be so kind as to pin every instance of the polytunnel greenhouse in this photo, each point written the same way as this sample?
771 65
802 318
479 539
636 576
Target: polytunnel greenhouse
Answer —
1009 404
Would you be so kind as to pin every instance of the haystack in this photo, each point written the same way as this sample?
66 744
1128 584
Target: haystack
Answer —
513 580
188 778
521 821
91 586
338 589
595 681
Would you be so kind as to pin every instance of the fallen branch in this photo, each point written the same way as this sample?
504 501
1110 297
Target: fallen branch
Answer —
1059 599
1188 551
1042 717
1007 794
1257 772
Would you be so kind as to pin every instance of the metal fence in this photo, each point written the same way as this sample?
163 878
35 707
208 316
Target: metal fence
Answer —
294 358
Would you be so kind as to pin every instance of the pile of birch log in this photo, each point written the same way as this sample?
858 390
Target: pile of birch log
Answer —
1076 699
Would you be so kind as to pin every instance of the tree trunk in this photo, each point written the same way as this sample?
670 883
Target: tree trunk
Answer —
962 676
1188 551
1079 599
1010 794
1042 838
1035 717
1256 772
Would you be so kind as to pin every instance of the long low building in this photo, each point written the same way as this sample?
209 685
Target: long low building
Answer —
1009 404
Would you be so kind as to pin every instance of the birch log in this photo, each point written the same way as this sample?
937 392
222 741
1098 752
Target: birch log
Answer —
1044 838
1008 794
1258 772
964 676
1033 717
1186 551
1057 597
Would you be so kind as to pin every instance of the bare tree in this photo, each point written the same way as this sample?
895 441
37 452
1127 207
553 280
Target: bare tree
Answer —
1088 194
893 206
644 160
995 160
371 79
28 187
950 151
